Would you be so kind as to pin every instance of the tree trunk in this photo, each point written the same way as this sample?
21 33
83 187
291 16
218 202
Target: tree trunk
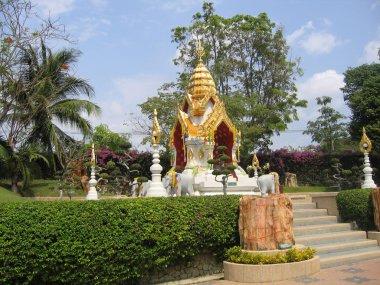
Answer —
14 184
224 186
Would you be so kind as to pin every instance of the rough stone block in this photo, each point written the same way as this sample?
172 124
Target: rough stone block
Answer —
266 222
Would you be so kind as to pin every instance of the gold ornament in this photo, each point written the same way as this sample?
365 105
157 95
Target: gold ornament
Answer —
156 130
201 154
365 143
191 154
255 161
200 51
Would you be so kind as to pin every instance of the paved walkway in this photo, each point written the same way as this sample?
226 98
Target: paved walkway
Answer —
365 272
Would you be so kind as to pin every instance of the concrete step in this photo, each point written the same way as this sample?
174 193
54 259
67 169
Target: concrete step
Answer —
347 257
320 220
300 231
304 205
329 238
305 213
299 198
345 246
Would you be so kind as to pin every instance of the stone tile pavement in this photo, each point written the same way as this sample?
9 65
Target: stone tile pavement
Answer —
364 272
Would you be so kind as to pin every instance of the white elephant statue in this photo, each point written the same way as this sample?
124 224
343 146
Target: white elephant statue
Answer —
180 184
143 189
268 183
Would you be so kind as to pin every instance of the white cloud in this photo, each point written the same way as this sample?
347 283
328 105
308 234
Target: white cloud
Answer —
375 4
90 27
299 32
100 4
319 43
177 6
55 7
326 83
326 22
180 6
371 52
122 100
135 90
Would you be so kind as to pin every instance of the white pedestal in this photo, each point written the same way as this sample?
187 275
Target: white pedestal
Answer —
368 181
156 188
92 193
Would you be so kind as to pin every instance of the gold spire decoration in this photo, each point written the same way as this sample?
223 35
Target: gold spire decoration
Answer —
255 161
93 155
365 143
200 51
156 130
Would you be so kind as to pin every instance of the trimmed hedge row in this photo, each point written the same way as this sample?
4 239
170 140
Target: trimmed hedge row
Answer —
356 205
110 241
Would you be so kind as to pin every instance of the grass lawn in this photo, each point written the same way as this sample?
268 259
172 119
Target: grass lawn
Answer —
42 188
8 196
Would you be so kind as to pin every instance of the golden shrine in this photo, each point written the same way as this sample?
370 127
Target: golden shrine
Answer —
201 125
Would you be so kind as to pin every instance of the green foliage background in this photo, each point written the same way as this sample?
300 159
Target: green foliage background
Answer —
356 205
110 241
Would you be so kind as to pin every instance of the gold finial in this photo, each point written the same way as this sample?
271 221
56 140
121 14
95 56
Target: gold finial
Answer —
93 156
365 143
200 51
156 130
255 161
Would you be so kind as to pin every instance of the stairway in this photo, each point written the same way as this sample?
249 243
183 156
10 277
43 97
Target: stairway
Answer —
336 243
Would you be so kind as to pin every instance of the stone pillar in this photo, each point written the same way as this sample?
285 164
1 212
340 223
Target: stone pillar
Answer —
92 193
156 188
290 179
368 181
376 207
265 223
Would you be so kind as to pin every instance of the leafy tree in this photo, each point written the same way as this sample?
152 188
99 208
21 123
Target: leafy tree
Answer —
362 96
328 128
105 138
36 87
19 32
247 57
222 168
53 97
18 164
166 102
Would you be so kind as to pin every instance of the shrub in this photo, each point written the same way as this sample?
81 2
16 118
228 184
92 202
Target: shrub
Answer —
356 205
110 241
237 255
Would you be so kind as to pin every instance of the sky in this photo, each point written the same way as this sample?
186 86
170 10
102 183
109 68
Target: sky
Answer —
127 51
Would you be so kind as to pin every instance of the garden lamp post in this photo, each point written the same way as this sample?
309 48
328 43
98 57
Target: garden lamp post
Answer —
156 187
92 193
366 147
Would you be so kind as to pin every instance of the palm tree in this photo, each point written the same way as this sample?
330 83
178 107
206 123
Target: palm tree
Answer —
54 99
45 97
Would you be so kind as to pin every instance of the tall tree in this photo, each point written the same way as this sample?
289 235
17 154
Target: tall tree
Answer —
362 96
166 102
48 94
105 138
248 58
328 128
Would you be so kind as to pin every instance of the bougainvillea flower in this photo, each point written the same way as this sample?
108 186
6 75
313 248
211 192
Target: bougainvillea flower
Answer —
8 40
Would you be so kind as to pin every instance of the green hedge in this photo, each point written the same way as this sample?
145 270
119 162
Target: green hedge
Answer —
110 241
356 205
237 255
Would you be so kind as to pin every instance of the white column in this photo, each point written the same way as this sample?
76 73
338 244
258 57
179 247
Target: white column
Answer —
92 193
156 188
368 181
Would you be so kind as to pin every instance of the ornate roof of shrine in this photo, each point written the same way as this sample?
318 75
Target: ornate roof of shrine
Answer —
200 91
